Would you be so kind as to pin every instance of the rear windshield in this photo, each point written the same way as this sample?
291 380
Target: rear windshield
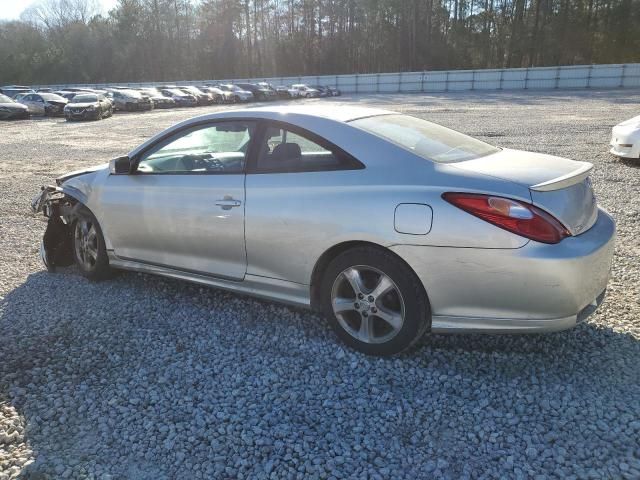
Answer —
426 139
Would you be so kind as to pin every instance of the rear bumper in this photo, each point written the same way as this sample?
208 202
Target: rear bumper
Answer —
536 288
447 324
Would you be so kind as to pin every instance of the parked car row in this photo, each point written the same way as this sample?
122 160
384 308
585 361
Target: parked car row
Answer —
19 101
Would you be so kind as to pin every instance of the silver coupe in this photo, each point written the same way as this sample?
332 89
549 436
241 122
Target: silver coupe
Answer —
391 225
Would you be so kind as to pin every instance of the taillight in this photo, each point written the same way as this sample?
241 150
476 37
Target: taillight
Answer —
517 217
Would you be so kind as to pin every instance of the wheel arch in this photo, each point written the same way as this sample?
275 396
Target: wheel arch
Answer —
331 253
56 246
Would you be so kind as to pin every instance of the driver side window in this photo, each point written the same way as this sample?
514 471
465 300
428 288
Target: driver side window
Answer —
215 148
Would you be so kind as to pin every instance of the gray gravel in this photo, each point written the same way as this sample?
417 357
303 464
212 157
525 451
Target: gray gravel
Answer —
145 378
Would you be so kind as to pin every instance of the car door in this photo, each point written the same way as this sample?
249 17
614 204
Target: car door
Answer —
301 191
118 100
183 206
35 103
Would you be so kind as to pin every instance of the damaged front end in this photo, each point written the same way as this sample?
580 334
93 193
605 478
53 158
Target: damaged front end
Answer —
57 241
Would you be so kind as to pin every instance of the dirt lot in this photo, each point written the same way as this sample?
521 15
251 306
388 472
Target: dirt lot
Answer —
140 377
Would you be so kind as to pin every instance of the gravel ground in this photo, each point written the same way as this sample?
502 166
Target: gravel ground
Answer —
145 378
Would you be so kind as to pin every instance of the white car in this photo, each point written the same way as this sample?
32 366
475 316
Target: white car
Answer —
305 90
239 94
625 139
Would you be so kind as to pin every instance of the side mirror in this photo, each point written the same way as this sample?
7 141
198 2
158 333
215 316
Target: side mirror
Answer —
120 166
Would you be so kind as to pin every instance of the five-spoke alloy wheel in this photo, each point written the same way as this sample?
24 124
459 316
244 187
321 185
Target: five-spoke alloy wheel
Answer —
89 250
86 243
374 301
367 304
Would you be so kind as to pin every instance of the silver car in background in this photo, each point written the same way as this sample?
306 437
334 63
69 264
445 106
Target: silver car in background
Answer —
238 94
130 100
306 91
10 109
47 104
391 225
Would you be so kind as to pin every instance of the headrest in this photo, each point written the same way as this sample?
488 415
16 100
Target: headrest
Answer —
287 151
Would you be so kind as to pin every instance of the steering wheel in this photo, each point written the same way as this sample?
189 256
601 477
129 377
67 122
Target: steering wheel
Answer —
201 162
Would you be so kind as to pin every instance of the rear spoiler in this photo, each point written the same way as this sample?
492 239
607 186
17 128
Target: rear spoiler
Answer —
571 178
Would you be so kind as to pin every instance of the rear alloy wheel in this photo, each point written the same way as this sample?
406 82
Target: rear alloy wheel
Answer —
89 250
375 302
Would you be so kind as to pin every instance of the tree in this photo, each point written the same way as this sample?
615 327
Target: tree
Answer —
171 40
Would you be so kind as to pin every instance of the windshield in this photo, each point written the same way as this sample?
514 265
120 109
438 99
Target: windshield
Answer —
426 139
174 91
5 99
52 97
84 99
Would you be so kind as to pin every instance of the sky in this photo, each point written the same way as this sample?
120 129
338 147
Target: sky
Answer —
11 9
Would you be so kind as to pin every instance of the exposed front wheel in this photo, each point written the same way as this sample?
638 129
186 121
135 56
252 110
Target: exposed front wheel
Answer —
89 250
374 302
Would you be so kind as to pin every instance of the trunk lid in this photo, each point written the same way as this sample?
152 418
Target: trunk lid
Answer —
560 186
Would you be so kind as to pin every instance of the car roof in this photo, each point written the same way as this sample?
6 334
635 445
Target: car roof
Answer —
320 119
339 113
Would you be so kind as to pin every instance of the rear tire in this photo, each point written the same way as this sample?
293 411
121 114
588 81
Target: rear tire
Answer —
374 302
89 249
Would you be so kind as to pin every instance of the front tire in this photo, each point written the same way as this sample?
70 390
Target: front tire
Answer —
89 249
375 303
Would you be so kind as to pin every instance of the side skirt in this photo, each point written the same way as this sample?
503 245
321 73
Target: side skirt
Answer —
267 288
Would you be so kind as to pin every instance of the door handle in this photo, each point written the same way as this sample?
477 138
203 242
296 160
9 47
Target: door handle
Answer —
227 203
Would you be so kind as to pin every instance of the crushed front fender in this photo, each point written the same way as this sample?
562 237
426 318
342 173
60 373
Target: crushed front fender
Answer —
57 241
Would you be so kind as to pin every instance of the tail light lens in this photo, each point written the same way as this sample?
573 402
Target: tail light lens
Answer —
514 216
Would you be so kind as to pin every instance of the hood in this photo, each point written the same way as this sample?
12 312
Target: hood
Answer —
14 106
68 176
632 122
525 168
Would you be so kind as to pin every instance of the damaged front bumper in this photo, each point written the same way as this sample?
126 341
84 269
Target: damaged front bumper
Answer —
57 241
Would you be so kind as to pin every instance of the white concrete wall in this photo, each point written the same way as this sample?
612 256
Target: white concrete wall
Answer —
578 76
